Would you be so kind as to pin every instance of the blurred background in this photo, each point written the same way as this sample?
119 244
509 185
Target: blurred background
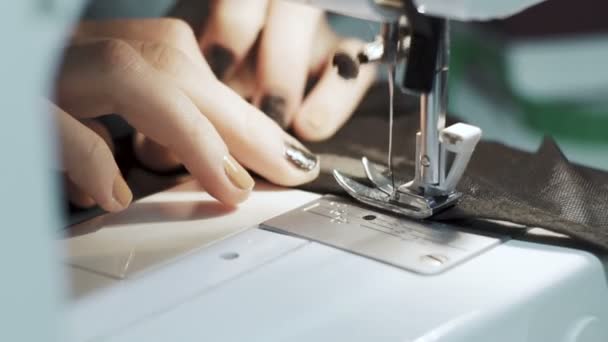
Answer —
540 73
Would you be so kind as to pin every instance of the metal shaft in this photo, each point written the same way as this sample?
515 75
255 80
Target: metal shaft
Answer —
433 108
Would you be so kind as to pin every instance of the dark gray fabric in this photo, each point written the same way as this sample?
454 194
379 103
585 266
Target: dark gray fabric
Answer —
537 190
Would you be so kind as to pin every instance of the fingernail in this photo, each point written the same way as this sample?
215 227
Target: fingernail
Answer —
121 192
348 68
220 59
237 174
274 107
311 82
300 157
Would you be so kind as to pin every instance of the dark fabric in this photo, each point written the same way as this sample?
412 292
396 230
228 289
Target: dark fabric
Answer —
536 190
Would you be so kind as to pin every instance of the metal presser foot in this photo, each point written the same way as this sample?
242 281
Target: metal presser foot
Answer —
415 199
442 154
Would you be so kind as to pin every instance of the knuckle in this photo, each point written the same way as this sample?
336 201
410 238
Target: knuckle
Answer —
177 29
159 55
116 55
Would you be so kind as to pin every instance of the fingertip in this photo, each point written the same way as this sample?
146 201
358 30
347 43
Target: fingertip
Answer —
334 98
301 165
78 197
348 67
230 197
311 127
121 196
231 31
241 197
230 184
275 107
238 176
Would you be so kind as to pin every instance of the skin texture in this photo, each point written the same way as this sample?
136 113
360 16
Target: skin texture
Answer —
154 74
276 47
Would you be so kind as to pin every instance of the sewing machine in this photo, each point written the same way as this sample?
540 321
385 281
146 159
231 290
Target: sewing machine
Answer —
294 266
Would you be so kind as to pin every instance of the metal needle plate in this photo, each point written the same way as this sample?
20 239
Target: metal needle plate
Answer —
417 246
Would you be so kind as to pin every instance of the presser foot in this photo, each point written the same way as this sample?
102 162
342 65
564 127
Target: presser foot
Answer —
403 200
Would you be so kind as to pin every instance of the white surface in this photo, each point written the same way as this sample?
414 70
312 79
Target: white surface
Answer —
463 10
104 312
460 137
281 288
469 10
320 294
169 224
363 9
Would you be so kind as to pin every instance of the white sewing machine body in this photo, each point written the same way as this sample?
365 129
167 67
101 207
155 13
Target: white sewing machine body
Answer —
220 278
166 269
463 10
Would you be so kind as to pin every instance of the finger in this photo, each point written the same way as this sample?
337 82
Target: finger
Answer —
111 74
101 130
253 138
231 31
169 31
76 195
284 58
89 164
256 140
153 155
243 80
334 98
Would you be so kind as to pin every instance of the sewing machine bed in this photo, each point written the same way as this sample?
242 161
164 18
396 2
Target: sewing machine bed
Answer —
177 266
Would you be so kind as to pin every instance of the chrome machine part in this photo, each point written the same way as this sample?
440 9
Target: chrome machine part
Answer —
442 154
421 247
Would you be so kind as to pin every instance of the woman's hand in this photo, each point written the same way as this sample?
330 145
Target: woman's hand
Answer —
153 74
267 50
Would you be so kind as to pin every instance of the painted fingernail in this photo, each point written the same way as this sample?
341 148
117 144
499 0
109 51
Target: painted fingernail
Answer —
300 157
311 82
220 59
121 192
348 68
237 174
274 107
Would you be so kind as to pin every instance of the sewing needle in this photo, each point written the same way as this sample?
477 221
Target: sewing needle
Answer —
391 90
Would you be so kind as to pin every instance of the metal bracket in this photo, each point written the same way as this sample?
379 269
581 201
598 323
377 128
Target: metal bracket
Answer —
442 154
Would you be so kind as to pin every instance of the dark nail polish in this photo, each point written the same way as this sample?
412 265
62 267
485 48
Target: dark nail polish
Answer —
275 107
348 68
311 82
301 158
220 60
